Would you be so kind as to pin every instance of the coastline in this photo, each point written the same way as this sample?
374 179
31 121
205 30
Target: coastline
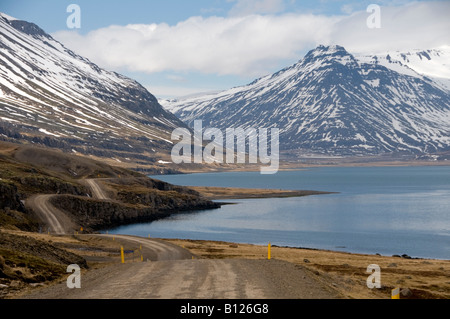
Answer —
217 193
290 166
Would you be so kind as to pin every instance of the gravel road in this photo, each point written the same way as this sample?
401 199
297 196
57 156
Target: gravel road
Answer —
97 191
171 273
56 220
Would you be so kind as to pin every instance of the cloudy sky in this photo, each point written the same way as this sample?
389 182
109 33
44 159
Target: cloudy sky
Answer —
181 47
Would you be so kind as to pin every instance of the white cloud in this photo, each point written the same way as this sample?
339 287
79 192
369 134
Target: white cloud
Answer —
247 7
168 92
252 45
176 78
412 26
233 45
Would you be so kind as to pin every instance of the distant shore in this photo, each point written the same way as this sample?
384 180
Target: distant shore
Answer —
171 169
215 193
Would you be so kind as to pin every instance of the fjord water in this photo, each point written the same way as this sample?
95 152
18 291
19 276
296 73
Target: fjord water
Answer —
385 210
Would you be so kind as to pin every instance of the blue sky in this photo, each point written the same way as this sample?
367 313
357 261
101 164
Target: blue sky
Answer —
51 14
179 47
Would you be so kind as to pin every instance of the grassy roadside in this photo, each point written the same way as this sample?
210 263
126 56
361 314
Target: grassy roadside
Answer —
29 260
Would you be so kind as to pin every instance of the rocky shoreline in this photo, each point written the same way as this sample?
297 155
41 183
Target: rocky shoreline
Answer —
94 215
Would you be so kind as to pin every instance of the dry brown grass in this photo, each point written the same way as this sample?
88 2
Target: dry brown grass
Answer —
237 193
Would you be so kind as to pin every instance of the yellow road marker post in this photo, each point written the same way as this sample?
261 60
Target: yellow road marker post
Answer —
140 252
122 257
395 294
268 251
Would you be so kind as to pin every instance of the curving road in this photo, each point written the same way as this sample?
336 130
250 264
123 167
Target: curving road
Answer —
174 274
97 191
56 220
170 271
154 249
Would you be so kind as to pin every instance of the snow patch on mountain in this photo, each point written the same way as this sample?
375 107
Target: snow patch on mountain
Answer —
432 63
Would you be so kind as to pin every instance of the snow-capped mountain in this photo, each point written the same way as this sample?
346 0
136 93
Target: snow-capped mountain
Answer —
50 95
330 102
431 63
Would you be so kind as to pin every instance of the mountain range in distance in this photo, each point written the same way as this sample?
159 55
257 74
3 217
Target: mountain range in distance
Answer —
332 103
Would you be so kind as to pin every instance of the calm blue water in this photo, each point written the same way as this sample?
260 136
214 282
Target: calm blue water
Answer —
386 210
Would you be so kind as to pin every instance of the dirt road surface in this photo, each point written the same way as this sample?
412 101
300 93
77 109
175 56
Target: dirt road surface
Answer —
55 219
97 191
171 273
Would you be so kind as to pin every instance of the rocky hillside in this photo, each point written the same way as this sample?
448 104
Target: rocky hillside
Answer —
28 170
51 96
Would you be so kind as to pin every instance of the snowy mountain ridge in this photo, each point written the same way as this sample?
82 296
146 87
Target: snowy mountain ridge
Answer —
431 63
332 102
52 96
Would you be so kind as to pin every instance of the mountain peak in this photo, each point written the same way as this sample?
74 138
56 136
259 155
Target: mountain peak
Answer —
330 48
7 17
332 103
322 50
329 54
28 28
